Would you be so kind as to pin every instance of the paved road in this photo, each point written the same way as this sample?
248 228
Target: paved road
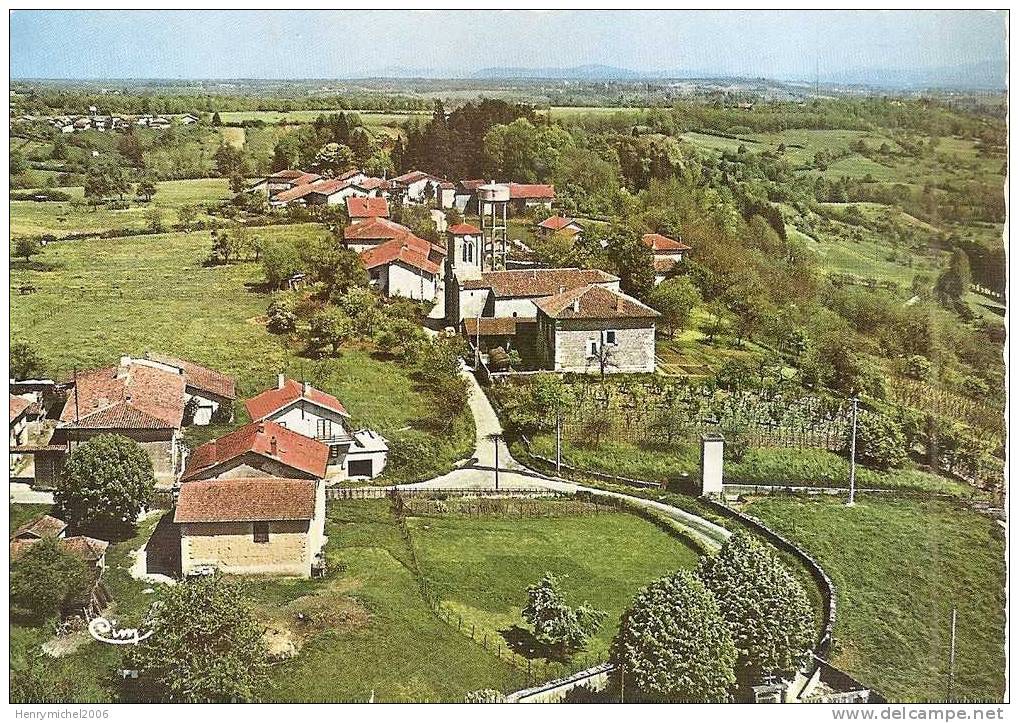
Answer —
480 474
23 494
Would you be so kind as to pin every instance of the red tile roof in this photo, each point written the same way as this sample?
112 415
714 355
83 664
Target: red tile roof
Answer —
306 178
358 207
371 183
292 449
594 302
287 174
197 376
463 229
493 326
657 242
41 526
399 249
136 397
295 193
18 407
259 499
373 229
272 400
557 223
531 190
88 549
412 176
537 282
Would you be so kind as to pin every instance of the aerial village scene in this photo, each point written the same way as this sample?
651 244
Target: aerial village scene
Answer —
426 373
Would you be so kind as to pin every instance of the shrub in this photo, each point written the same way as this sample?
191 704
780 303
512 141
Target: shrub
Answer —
879 441
44 579
208 626
556 624
280 317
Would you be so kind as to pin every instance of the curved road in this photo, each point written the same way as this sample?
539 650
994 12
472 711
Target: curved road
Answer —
513 475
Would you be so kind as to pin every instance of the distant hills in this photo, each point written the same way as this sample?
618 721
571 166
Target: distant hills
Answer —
986 75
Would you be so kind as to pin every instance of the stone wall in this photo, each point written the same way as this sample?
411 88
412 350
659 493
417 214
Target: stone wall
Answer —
231 547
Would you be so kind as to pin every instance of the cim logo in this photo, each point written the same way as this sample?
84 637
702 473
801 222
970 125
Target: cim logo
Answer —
106 631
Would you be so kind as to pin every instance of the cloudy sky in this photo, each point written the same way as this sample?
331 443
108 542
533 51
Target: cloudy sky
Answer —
337 44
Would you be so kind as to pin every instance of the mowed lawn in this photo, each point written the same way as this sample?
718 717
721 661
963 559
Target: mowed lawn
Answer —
98 299
899 567
65 218
370 630
480 567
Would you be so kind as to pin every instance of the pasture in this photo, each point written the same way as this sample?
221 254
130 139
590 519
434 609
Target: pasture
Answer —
899 567
65 218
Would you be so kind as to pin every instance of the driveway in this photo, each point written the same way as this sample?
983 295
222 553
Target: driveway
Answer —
23 494
514 475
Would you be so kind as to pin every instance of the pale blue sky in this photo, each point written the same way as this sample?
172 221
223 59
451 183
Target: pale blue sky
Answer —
336 44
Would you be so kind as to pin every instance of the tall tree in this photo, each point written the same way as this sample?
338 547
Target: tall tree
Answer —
673 644
765 606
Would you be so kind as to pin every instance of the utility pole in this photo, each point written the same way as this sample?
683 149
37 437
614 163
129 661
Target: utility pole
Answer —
558 443
951 658
852 458
495 438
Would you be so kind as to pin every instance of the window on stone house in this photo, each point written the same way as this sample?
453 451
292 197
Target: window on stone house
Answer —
260 532
592 348
610 337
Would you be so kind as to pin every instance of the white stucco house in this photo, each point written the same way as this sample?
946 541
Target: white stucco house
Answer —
299 407
402 267
421 187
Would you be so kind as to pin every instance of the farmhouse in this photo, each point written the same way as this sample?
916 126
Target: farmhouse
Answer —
371 232
361 207
247 526
402 267
595 329
259 449
667 252
19 426
138 400
303 409
206 391
525 196
89 549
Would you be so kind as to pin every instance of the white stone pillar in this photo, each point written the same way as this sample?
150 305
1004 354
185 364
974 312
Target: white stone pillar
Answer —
712 451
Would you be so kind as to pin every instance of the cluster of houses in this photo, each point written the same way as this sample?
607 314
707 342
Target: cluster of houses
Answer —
251 501
98 122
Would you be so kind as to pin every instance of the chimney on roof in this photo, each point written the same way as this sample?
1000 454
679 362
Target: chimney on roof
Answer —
281 379
261 427
273 447
576 305
307 387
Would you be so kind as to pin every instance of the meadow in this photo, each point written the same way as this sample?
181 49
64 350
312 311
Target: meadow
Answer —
899 567
65 218
297 117
479 567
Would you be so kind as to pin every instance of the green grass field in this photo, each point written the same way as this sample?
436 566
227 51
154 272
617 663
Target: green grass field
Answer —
899 567
35 218
480 567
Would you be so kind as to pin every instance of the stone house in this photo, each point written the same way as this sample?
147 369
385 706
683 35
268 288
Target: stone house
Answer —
89 549
420 187
361 207
259 449
595 329
141 401
248 526
559 224
19 426
301 408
